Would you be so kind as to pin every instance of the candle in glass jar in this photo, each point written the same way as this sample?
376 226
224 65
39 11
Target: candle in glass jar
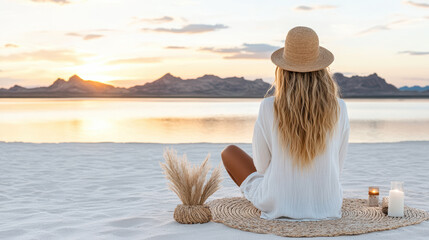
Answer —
396 200
373 193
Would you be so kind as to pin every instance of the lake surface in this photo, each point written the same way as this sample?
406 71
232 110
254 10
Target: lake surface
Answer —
189 120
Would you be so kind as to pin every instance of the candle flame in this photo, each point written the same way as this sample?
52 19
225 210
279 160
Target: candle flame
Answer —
373 191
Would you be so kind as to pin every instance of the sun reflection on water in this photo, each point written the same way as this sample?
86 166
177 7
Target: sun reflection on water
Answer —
184 121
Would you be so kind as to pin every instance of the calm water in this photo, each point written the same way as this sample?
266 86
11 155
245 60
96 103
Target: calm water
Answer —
188 120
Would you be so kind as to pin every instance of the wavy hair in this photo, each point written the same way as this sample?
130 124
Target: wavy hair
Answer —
306 110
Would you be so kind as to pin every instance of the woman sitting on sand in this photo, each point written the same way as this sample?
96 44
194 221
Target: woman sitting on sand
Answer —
300 137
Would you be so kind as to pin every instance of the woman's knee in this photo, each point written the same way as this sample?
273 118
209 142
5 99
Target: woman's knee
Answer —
227 152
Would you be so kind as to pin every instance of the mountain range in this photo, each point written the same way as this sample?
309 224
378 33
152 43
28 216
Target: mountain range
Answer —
204 86
415 88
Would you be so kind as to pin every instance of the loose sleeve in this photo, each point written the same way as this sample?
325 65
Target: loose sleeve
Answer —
260 149
345 137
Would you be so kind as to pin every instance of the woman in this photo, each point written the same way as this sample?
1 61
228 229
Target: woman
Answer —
300 138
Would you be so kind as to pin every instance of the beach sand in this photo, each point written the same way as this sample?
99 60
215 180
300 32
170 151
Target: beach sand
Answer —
117 191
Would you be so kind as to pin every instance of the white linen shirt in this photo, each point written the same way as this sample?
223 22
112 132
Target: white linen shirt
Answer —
280 190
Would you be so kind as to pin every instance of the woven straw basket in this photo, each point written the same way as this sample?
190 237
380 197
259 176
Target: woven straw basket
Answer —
191 214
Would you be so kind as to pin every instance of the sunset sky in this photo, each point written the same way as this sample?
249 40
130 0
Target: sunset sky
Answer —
134 41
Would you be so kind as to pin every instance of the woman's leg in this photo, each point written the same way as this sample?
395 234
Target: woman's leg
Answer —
237 163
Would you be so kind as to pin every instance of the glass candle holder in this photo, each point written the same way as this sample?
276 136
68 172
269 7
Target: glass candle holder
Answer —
373 194
396 199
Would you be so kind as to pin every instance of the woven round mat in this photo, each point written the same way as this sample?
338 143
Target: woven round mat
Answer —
357 218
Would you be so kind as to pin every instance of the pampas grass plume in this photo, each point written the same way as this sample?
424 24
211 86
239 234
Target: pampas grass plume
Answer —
189 181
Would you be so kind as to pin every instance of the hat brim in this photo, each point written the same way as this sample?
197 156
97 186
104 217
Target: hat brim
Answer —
324 59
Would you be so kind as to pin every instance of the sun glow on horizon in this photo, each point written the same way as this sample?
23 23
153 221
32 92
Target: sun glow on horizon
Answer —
95 72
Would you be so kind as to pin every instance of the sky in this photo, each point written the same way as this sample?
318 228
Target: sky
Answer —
129 42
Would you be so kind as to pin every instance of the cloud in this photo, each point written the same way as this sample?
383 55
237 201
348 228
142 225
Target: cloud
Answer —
135 60
384 27
311 8
420 5
259 47
73 34
159 20
175 47
190 28
164 19
92 36
61 55
85 36
249 56
414 53
246 51
221 50
10 45
374 29
61 2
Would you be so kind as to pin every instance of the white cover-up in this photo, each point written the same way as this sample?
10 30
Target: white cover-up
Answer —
280 190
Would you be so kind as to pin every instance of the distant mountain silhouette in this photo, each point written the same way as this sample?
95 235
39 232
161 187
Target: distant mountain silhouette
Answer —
75 84
415 88
74 87
370 85
205 86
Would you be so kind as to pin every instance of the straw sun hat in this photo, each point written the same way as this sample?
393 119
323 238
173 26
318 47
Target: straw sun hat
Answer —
302 52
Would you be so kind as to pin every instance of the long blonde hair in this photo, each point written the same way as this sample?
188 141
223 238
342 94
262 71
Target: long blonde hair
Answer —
306 109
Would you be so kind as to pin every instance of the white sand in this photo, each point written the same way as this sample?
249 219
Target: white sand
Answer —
114 191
